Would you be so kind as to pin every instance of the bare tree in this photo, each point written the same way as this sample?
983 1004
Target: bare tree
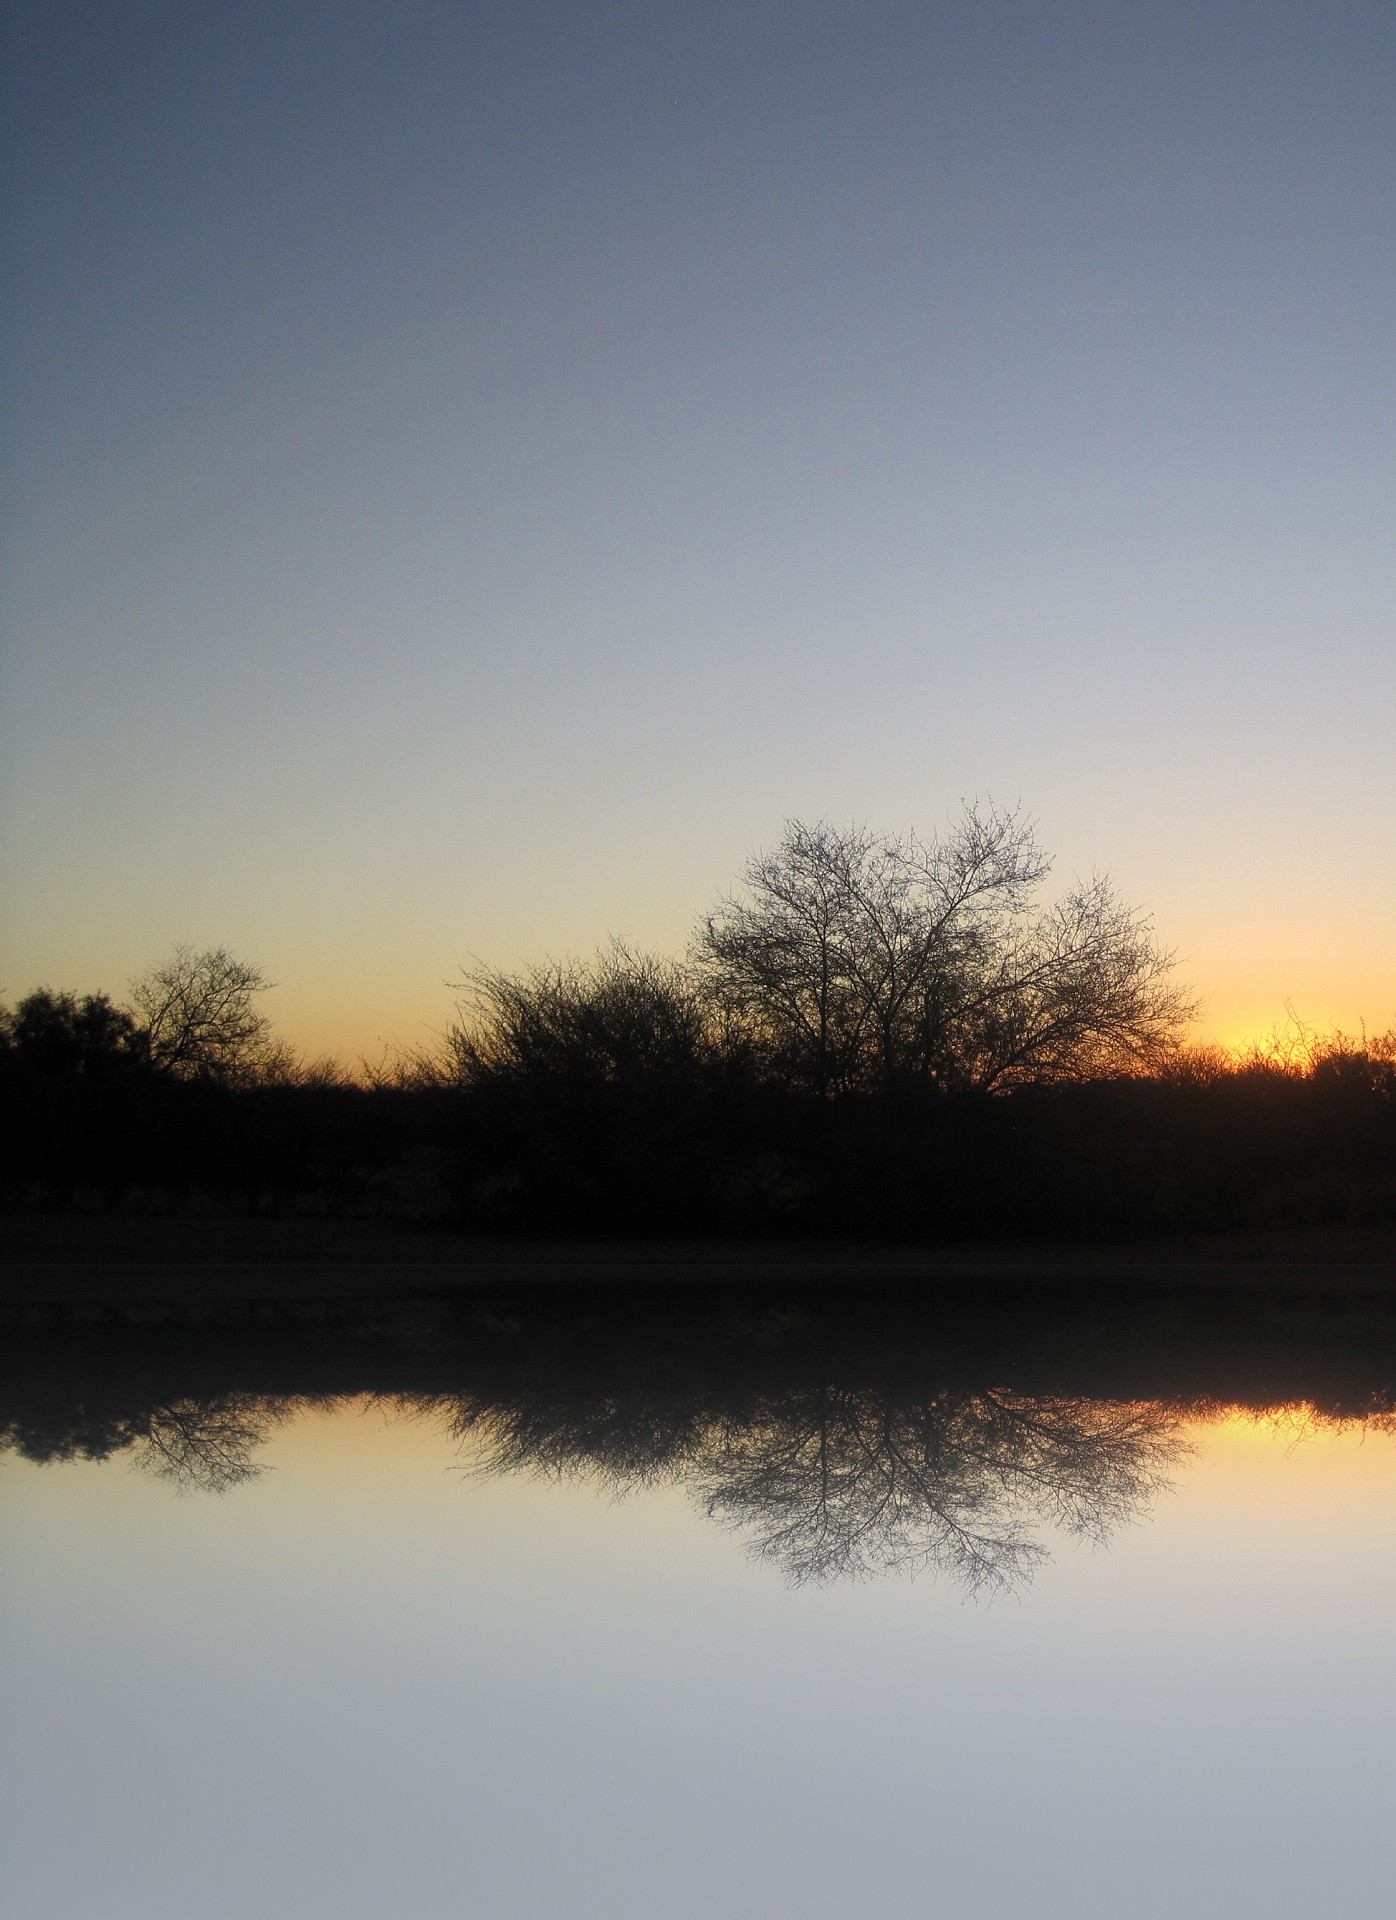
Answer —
1085 990
199 1019
857 961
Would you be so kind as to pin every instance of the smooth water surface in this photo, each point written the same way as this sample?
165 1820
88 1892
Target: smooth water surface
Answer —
372 1654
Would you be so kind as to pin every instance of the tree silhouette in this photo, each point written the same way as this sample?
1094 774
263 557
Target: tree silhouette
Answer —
198 1015
859 961
60 1034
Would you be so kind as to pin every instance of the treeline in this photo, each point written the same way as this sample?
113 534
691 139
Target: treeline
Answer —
883 1038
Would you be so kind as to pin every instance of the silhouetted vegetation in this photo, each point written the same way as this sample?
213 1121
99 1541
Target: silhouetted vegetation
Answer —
854 962
837 1432
198 1020
874 1038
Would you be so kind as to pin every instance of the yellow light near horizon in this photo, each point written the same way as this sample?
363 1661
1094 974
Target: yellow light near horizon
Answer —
1289 1423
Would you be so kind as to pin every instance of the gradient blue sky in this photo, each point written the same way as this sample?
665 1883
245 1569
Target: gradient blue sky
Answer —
475 469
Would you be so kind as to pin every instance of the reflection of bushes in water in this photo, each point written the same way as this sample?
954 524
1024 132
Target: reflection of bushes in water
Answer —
841 1431
622 1440
823 1483
830 1483
198 1446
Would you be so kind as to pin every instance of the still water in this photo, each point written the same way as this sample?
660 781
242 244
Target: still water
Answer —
801 1638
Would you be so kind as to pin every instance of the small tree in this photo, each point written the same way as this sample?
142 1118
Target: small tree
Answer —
198 1017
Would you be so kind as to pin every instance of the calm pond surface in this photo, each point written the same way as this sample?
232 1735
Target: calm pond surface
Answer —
763 1610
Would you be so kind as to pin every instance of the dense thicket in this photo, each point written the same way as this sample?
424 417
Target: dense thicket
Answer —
872 1037
600 1102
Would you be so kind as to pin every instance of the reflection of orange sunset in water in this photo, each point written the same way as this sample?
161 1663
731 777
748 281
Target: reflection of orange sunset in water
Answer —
1288 1425
389 1449
1110 1473
1291 1469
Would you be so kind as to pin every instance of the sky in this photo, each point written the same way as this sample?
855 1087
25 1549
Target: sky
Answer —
474 470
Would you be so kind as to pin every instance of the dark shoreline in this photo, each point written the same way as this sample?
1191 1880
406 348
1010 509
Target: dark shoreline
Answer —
56 1259
608 1355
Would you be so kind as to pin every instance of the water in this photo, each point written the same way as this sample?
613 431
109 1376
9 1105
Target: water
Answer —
775 1614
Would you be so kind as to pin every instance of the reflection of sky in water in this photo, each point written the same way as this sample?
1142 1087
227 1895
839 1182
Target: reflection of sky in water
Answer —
368 1683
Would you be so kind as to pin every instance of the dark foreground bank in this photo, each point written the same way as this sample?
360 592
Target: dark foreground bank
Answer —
57 1260
613 1144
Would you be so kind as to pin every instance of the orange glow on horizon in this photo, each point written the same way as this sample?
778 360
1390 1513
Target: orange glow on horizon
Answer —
1292 1422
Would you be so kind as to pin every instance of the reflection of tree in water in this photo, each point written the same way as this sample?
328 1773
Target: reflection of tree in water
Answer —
847 1485
207 1446
830 1483
822 1481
